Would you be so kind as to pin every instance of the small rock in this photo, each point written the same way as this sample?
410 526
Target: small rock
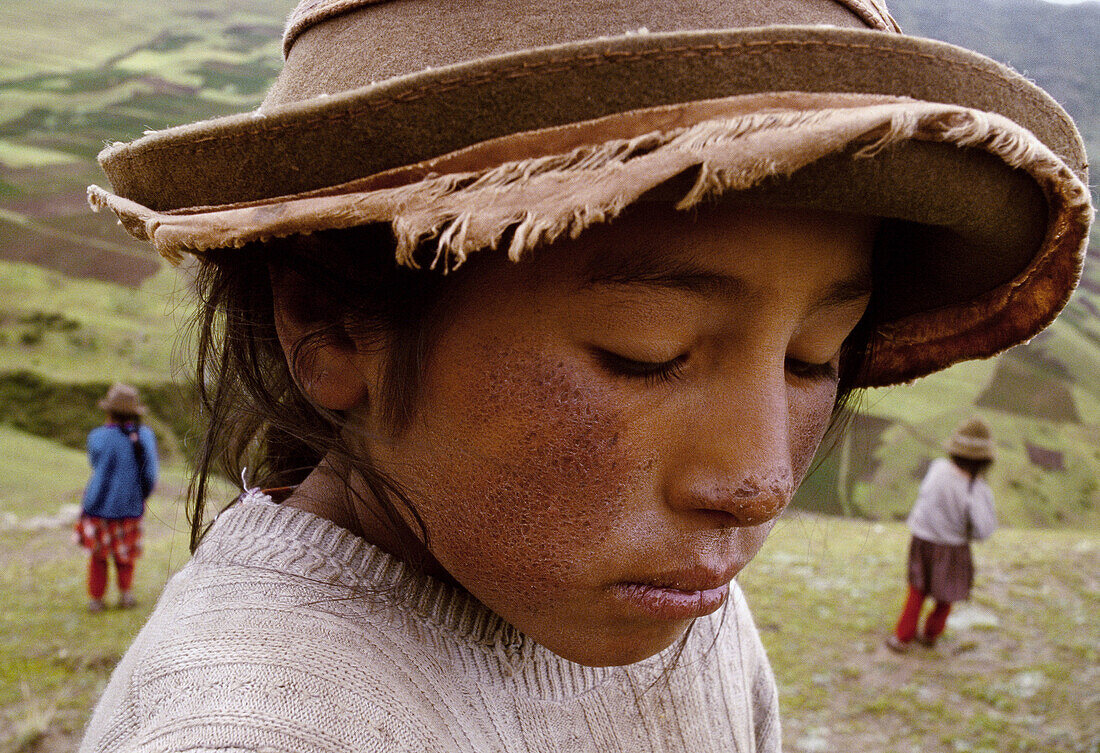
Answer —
1027 684
966 616
815 740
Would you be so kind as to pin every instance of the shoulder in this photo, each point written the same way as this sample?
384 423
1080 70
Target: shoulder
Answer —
102 436
942 473
941 467
235 657
100 433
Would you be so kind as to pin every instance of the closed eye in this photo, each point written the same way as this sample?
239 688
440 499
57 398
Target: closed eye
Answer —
814 372
650 372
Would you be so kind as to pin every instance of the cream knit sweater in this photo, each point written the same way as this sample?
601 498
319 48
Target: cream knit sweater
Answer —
287 633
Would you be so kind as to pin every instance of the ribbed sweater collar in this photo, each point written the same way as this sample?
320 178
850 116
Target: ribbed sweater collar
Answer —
257 532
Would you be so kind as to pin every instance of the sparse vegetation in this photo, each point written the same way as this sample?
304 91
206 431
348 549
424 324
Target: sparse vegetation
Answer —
1016 670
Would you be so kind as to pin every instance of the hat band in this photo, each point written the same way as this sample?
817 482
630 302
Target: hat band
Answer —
970 447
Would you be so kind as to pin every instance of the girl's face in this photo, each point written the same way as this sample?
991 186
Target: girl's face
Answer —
605 435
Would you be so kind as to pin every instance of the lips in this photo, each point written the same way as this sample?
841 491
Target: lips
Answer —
671 603
693 579
679 595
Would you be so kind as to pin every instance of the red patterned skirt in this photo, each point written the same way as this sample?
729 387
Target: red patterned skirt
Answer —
118 538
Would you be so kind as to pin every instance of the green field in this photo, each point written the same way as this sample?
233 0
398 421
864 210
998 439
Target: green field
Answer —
74 329
1015 671
54 657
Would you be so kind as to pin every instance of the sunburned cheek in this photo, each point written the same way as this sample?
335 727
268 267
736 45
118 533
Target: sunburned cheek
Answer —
806 429
545 479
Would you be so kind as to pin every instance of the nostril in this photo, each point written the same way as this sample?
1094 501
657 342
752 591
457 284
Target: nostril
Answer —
750 501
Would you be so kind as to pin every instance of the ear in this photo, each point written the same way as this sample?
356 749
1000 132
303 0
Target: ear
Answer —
332 371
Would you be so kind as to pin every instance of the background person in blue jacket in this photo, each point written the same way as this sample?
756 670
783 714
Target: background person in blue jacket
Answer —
123 454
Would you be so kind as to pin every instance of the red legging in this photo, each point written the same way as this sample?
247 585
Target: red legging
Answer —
97 576
910 615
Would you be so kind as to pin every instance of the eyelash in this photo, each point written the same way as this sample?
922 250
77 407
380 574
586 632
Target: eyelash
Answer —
662 372
812 371
651 372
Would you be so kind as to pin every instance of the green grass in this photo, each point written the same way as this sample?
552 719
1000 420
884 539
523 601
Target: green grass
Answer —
827 591
120 334
18 156
54 656
39 476
58 36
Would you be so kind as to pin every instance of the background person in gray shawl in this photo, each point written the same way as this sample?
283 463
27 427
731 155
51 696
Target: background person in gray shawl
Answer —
954 506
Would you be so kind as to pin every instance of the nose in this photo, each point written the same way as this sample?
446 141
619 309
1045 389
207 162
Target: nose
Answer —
733 462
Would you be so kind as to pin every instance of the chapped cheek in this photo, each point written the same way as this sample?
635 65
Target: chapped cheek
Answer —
546 480
807 428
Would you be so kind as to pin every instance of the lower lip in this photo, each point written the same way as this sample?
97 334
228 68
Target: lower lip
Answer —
672 603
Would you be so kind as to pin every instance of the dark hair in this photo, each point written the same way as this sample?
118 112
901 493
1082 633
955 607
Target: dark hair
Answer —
255 415
971 466
123 418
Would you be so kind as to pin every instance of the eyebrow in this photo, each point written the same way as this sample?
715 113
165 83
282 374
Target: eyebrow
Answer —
710 284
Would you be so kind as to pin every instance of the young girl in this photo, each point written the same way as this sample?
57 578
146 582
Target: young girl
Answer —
123 456
523 324
954 507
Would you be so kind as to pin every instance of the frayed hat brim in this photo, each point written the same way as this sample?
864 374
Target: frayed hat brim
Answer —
728 146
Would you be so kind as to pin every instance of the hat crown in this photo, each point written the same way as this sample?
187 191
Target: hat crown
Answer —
369 41
975 428
122 398
972 439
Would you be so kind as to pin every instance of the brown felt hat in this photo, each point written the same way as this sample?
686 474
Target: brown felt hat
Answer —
485 123
122 399
972 440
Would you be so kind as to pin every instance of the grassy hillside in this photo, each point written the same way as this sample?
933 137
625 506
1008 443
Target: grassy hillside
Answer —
1015 671
75 75
1042 400
54 658
78 329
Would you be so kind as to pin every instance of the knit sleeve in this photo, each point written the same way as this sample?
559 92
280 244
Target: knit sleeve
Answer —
983 515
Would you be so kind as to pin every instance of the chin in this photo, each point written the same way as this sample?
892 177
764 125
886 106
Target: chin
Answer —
619 650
